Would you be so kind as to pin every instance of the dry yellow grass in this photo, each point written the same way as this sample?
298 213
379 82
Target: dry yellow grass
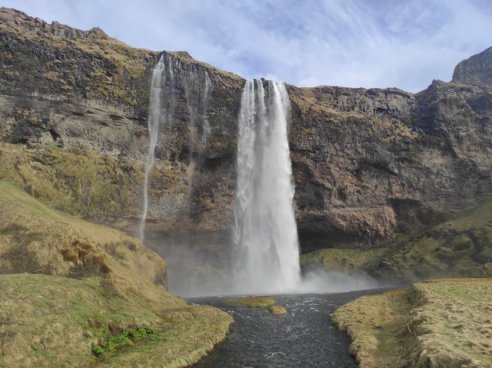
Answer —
442 323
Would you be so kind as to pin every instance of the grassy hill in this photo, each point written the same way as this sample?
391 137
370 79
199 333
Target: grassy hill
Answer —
77 294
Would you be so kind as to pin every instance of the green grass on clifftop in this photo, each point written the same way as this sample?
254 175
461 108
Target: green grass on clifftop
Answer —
76 294
443 323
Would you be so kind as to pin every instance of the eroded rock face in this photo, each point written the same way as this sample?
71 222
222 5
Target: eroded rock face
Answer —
367 163
475 70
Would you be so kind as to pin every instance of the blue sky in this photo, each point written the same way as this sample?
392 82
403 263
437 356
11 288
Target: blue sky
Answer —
354 43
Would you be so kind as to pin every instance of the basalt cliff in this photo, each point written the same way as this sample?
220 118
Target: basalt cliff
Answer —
369 164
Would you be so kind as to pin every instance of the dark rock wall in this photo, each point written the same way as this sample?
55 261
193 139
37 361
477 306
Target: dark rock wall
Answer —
368 163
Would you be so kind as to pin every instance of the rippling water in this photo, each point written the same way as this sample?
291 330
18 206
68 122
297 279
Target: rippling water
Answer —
304 337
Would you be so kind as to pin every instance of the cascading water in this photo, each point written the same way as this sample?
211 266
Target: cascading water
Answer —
155 107
206 124
267 249
266 256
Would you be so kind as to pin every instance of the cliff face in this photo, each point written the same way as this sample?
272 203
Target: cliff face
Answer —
475 70
84 96
367 163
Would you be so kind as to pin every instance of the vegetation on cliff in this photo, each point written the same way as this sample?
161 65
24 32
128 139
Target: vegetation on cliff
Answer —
443 323
80 294
77 181
461 247
343 259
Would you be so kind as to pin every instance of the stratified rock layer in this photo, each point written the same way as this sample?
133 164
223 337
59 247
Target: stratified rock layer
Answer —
368 163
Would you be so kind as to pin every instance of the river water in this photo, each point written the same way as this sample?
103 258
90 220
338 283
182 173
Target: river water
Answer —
304 337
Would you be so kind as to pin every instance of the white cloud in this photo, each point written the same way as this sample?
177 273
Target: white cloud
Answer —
359 43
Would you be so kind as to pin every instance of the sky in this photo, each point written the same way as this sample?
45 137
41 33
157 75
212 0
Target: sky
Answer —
352 43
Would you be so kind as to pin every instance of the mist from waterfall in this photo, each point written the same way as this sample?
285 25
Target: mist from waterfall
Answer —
267 248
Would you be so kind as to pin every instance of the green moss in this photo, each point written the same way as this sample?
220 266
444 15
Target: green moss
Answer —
127 337
456 248
344 259
255 301
78 182
264 302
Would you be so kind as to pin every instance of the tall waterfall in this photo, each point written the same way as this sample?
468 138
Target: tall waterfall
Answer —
153 120
267 249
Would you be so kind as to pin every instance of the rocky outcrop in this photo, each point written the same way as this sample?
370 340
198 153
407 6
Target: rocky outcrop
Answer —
368 163
475 70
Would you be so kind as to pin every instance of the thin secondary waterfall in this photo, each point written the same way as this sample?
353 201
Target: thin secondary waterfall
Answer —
265 228
155 106
165 91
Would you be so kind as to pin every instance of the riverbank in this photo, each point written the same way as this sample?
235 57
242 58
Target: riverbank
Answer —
440 323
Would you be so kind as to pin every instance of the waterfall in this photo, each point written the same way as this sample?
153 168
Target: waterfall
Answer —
206 124
153 120
165 91
267 249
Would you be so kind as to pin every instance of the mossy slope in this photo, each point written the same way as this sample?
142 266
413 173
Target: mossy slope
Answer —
461 247
69 287
443 323
77 181
343 259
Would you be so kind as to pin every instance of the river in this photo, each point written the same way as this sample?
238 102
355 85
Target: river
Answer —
304 337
